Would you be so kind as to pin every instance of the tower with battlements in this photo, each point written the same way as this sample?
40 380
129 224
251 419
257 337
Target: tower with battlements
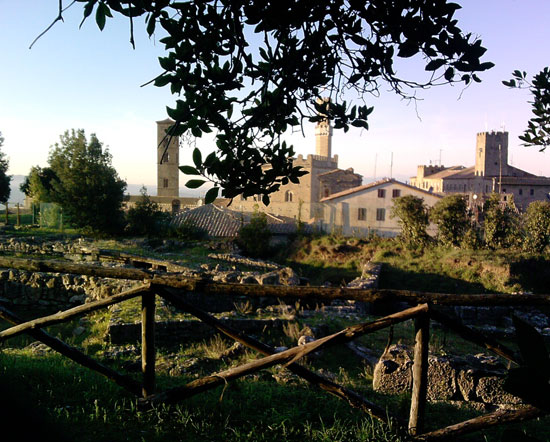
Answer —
491 154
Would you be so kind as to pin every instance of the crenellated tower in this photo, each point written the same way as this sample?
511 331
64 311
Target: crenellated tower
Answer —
492 154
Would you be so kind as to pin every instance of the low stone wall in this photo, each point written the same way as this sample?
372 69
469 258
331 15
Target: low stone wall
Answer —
55 290
476 379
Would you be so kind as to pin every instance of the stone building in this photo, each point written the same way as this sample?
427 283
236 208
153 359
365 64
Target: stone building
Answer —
490 174
366 209
324 178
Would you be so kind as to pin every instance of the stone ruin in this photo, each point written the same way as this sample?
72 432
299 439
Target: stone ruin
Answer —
475 379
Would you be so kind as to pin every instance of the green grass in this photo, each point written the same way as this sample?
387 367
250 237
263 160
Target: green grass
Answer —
60 400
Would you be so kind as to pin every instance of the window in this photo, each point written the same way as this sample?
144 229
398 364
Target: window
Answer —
361 214
327 192
531 192
380 214
381 193
520 191
165 182
288 196
396 193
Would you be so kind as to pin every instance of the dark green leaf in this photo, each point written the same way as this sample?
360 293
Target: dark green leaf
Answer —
434 64
193 184
211 195
197 157
188 170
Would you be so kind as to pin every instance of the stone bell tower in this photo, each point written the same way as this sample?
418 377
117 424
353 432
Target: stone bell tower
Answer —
168 161
323 134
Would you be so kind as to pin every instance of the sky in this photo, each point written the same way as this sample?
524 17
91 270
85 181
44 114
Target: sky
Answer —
89 79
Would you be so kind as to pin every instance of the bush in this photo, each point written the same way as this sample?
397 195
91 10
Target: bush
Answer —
501 223
413 219
451 217
536 228
253 238
146 218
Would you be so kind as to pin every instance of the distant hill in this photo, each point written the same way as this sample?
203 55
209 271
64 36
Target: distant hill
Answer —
16 196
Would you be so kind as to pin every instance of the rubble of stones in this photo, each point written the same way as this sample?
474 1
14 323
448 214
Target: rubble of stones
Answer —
475 379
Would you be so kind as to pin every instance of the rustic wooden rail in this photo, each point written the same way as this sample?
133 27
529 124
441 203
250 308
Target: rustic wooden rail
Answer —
173 287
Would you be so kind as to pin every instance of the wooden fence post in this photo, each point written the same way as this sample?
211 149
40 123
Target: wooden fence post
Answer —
148 352
18 215
420 374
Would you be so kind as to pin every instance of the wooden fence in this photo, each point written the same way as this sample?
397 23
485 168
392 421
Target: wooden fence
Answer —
172 288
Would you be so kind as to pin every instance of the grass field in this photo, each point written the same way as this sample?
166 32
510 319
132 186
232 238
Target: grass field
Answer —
48 397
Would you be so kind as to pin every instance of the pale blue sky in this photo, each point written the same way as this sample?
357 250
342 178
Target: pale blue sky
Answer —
90 79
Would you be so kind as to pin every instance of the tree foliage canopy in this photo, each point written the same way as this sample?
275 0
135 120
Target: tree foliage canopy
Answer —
85 183
5 179
451 216
252 70
146 217
38 184
412 216
538 127
537 227
501 223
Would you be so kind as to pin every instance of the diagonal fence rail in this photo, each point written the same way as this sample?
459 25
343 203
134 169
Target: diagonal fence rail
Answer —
172 288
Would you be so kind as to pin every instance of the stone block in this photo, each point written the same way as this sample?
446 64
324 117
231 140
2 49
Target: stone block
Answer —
393 372
441 378
489 390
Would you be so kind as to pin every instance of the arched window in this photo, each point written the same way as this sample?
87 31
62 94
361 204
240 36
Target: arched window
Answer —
288 196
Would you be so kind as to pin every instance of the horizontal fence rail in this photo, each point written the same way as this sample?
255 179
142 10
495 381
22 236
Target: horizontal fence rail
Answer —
172 288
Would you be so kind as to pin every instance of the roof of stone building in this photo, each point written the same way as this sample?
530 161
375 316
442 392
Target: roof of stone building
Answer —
223 222
532 180
453 172
216 221
515 172
346 171
373 185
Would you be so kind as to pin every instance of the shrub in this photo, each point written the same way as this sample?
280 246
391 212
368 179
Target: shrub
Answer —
413 219
146 217
501 223
253 238
537 227
451 217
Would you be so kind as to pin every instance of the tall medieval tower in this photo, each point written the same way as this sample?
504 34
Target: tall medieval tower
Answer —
167 161
492 154
323 138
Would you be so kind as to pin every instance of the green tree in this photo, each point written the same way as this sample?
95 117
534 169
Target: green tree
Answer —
500 224
38 184
249 71
412 216
253 238
452 219
87 186
537 227
5 179
146 217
